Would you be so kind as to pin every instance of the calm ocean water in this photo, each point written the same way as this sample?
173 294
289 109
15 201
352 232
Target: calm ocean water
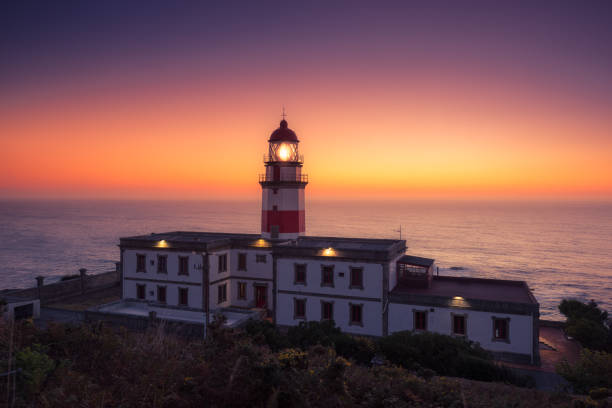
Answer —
560 249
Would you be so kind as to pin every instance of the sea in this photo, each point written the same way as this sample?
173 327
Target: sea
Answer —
561 249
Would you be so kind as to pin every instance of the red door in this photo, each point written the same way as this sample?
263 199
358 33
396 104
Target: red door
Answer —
260 296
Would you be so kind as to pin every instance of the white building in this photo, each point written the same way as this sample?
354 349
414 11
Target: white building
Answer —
367 286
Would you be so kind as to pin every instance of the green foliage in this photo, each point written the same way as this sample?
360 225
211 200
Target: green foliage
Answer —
574 309
35 366
264 332
445 355
591 371
102 367
311 333
585 323
590 334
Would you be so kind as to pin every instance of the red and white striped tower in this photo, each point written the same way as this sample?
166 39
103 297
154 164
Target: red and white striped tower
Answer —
282 204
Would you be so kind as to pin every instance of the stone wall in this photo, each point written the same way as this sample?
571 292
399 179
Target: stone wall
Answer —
57 291
141 323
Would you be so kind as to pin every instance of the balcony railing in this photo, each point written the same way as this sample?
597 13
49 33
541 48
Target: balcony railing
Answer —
303 178
271 159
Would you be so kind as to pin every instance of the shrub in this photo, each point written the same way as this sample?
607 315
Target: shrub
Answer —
264 332
445 355
586 323
592 370
35 366
311 333
574 309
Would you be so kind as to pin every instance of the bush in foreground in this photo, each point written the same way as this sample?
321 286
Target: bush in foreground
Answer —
592 371
96 366
586 323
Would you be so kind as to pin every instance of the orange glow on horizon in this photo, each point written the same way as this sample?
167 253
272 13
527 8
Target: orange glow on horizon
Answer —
454 141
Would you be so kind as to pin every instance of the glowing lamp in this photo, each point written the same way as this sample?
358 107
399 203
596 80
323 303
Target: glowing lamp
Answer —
329 252
162 244
457 298
284 152
261 243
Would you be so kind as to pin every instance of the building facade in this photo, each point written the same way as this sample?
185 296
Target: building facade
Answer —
366 286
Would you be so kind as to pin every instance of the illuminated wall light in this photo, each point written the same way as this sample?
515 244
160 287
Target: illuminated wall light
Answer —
329 252
162 244
261 243
458 298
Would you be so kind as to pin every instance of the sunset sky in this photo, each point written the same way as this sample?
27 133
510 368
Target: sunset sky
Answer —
159 99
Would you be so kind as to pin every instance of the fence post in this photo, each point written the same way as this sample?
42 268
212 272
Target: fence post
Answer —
40 281
83 273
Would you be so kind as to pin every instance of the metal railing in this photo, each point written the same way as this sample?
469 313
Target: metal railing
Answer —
303 178
271 159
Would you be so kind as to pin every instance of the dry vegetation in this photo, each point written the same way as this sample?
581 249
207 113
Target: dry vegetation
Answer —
99 367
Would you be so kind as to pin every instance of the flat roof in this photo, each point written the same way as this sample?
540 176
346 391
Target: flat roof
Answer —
189 237
367 244
306 242
416 260
472 288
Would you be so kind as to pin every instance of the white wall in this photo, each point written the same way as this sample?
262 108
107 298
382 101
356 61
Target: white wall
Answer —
371 313
194 296
291 199
315 293
151 278
479 326
372 277
255 273
393 272
9 309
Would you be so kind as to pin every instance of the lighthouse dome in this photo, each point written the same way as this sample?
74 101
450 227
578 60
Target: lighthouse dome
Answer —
283 134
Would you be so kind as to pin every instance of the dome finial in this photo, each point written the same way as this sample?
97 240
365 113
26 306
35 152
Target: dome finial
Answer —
283 122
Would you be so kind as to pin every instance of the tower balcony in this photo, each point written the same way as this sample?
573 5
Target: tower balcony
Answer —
301 179
297 159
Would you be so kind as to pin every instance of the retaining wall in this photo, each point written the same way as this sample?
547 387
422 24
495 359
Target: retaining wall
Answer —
64 289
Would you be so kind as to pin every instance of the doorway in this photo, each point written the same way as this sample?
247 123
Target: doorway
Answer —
261 296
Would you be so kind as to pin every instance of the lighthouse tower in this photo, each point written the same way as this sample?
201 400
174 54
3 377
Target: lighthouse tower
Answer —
282 204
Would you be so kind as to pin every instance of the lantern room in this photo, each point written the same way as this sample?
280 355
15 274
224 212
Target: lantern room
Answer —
283 145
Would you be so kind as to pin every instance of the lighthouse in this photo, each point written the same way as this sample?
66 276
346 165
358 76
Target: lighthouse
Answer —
283 184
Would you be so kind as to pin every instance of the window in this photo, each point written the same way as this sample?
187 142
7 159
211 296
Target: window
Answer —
261 258
242 258
458 324
327 275
242 289
141 263
356 317
161 294
141 291
356 278
222 293
162 263
183 296
327 310
420 320
299 308
501 329
183 265
223 263
300 274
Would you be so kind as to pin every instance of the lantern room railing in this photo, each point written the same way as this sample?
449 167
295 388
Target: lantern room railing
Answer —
271 159
302 178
